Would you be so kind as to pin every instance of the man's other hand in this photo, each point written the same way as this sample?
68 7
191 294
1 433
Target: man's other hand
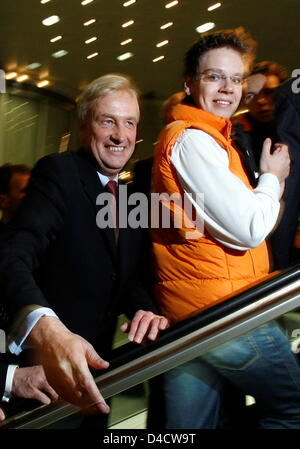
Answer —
2 415
66 358
145 326
31 383
278 162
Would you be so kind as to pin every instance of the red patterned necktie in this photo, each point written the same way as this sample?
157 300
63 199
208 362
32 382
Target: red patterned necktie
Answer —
112 187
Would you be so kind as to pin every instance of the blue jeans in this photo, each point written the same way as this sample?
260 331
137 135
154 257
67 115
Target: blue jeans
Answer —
259 363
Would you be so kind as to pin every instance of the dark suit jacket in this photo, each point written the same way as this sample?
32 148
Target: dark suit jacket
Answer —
54 255
287 116
287 124
3 364
3 371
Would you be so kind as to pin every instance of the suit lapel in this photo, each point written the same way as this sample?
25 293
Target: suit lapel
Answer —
92 186
128 239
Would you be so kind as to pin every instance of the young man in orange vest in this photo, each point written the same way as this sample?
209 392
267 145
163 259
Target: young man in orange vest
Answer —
194 271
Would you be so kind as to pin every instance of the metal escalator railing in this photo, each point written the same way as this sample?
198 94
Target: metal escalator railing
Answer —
188 339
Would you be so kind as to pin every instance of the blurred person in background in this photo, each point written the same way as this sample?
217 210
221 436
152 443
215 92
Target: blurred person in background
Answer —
23 382
258 98
13 184
267 116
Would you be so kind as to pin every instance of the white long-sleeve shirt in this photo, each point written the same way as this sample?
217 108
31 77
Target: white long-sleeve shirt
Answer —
233 214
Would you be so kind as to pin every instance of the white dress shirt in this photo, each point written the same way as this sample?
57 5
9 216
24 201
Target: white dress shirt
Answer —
234 215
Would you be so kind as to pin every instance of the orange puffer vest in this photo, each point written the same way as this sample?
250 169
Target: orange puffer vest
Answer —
194 274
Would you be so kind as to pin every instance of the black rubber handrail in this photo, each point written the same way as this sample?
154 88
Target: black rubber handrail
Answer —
130 351
123 358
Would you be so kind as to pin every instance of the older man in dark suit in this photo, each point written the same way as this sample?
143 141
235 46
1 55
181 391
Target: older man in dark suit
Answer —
64 278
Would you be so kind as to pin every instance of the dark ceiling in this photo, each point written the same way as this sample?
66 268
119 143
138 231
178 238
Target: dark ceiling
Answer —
24 40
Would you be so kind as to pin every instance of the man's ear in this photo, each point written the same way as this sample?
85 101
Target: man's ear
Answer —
4 201
187 89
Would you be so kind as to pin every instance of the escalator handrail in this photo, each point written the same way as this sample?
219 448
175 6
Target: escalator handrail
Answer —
277 289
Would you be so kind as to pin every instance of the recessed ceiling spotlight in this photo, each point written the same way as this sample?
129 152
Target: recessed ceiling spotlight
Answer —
125 56
93 55
56 38
86 2
158 59
22 78
89 22
33 66
44 1
60 53
130 2
161 44
215 6
205 27
166 25
127 24
43 83
91 39
10 75
50 20
126 42
169 5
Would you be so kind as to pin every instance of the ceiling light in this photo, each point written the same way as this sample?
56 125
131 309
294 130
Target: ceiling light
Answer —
56 38
89 22
91 39
10 75
158 59
86 2
161 44
126 42
215 6
130 2
166 25
22 78
59 54
125 56
43 83
93 55
33 66
50 20
44 1
169 5
127 24
205 27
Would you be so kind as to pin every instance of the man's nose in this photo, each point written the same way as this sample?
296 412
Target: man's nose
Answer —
227 85
118 134
262 99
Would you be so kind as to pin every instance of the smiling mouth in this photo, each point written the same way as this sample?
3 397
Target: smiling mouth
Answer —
116 149
223 102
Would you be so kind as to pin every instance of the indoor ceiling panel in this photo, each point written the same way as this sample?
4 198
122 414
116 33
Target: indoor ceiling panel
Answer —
24 40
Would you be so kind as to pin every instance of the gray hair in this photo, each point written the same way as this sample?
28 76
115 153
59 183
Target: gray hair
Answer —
101 86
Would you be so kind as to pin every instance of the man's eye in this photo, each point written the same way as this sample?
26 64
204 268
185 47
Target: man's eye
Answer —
108 122
237 80
130 124
213 77
249 97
